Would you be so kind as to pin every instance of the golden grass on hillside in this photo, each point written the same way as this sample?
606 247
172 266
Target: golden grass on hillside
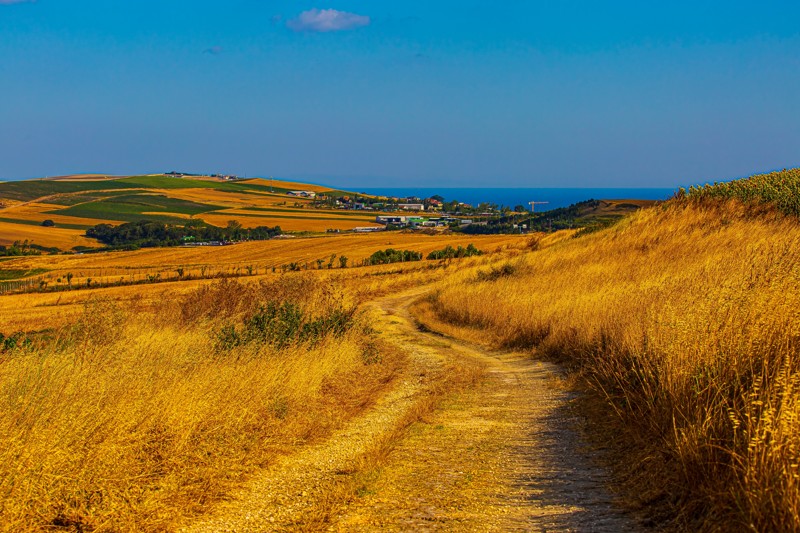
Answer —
38 212
291 185
35 311
687 318
287 221
59 237
122 424
261 256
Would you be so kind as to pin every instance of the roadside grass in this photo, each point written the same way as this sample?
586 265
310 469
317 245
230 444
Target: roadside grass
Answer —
684 319
116 423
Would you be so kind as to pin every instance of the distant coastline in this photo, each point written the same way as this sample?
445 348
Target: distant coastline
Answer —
557 197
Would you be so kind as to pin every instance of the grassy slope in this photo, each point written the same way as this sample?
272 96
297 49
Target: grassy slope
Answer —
132 424
132 207
157 197
685 318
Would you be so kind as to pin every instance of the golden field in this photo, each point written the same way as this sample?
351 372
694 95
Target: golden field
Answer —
63 238
135 405
121 423
260 256
252 207
685 319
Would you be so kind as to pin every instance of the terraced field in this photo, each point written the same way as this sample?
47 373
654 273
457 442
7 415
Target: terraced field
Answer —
75 204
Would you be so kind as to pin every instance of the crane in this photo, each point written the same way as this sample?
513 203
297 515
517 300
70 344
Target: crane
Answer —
534 204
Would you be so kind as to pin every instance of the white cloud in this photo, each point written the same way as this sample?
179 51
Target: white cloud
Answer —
327 20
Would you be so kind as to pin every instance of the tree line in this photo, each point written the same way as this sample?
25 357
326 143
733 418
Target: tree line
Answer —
148 233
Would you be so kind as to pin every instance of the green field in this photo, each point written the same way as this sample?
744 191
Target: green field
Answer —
9 275
26 191
167 182
75 199
130 208
37 223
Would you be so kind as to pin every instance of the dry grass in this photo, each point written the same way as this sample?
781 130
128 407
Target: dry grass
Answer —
302 221
37 212
59 237
261 256
120 423
686 319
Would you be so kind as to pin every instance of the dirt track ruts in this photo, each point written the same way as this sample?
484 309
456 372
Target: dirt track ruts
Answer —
504 456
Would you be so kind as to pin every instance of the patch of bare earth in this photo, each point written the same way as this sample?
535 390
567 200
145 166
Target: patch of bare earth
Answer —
504 455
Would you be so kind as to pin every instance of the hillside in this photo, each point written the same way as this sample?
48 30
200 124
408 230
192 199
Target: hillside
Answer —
683 320
79 202
272 386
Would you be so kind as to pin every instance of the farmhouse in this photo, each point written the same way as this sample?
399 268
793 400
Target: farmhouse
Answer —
383 219
302 194
412 207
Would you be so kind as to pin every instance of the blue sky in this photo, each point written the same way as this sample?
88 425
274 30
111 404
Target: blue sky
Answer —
558 93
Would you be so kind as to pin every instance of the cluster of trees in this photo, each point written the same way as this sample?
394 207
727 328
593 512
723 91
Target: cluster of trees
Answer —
390 255
20 248
574 216
148 233
448 252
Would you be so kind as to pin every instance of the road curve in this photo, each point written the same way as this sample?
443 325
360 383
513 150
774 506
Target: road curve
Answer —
503 456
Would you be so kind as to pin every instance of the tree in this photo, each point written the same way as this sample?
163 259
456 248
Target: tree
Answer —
48 223
343 261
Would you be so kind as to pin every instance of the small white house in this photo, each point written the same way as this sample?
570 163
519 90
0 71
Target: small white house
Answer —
303 194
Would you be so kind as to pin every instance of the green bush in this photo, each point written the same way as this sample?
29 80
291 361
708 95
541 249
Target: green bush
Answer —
449 252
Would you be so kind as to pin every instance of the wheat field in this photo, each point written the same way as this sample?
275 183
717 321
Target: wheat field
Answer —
115 422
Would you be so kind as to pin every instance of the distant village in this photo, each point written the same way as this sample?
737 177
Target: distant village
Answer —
401 212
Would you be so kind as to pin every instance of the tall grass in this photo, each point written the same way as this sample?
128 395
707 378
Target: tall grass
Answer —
686 319
130 423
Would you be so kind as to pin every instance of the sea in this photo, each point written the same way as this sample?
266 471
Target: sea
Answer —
510 197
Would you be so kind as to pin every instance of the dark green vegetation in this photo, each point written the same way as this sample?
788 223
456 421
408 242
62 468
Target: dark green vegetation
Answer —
75 199
134 207
37 223
26 191
8 275
40 189
269 313
390 255
20 248
149 233
780 189
448 252
14 341
589 215
281 324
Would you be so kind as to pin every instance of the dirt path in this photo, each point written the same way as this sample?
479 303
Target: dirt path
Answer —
504 456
